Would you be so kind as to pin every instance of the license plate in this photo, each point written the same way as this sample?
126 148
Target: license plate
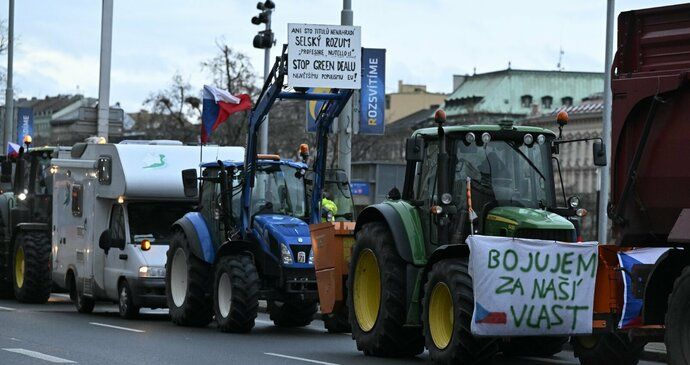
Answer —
301 257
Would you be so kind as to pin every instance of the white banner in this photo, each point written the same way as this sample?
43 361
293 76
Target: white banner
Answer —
529 287
327 56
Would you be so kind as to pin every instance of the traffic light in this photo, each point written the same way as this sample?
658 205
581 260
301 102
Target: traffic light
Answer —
264 39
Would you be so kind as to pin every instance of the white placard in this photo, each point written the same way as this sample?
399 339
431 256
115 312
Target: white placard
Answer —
324 56
529 287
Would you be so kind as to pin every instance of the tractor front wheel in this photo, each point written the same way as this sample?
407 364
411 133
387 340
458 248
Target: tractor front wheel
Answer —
607 349
236 294
187 281
31 267
678 321
377 296
447 316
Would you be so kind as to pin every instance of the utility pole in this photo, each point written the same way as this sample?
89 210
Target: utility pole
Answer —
604 173
264 40
346 118
104 78
9 93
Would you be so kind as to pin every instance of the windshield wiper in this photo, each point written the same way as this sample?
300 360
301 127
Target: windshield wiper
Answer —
513 146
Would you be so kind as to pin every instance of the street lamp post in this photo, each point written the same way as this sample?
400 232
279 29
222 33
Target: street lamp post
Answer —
9 93
264 40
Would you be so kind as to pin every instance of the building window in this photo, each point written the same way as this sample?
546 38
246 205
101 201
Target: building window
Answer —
526 101
388 101
567 101
546 102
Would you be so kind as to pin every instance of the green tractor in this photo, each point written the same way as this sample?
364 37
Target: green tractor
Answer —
408 286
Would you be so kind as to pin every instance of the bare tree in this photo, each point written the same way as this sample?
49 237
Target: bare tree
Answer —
172 113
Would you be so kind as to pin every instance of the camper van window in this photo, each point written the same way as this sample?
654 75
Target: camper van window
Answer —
152 220
105 164
77 199
117 223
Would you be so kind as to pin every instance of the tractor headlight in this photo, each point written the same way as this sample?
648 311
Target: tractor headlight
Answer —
311 257
528 139
470 138
486 137
151 272
574 201
285 255
446 198
21 196
541 139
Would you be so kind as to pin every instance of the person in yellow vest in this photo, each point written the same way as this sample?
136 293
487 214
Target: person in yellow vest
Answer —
328 207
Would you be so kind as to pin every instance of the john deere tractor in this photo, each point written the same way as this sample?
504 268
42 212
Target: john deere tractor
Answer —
25 224
408 286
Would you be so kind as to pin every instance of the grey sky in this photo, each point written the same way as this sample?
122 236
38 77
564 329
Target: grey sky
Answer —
426 41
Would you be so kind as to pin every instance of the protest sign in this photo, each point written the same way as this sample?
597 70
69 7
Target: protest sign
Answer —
529 287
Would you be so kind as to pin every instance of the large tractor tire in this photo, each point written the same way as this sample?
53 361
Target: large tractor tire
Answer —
447 315
607 349
236 294
292 313
337 322
678 321
31 267
377 295
187 282
539 346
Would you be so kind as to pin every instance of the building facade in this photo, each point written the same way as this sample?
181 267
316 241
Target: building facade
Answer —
408 100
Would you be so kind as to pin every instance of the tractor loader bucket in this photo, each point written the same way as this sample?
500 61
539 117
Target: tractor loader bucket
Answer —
332 244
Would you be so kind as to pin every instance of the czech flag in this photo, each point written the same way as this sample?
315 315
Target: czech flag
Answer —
482 315
12 149
632 261
217 106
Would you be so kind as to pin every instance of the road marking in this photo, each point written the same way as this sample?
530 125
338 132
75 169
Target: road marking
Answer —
299 359
6 309
117 327
549 361
42 356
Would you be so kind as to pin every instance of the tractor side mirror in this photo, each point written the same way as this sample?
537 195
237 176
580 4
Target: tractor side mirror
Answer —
6 171
413 149
599 153
190 183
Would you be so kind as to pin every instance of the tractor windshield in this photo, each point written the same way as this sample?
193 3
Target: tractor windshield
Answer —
506 172
278 191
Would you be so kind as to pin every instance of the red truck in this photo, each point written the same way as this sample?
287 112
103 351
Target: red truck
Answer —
643 283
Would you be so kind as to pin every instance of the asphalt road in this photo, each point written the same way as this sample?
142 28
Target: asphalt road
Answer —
56 333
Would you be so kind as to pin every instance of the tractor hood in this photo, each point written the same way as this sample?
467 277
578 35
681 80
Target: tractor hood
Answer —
528 218
284 229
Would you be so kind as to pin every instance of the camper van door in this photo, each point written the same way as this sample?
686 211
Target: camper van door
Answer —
117 257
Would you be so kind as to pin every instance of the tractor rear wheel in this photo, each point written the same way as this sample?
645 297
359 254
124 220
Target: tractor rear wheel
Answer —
377 295
292 313
187 281
678 321
447 316
607 349
236 294
31 267
539 346
337 322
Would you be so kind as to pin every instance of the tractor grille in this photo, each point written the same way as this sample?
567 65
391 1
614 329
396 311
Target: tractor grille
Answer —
565 235
297 257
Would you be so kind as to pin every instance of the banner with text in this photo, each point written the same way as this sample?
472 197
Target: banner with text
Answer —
25 124
526 287
373 95
324 56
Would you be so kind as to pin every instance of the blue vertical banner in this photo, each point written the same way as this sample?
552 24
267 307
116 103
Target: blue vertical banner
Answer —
373 96
25 124
314 107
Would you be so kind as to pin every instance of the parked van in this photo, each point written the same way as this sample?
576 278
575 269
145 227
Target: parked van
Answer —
113 207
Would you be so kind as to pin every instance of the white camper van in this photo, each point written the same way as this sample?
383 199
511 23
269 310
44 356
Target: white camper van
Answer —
113 206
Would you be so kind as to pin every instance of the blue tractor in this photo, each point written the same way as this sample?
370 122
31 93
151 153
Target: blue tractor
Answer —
249 238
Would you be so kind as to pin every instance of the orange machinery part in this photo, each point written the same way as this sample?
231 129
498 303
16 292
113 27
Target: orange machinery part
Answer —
608 291
332 243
